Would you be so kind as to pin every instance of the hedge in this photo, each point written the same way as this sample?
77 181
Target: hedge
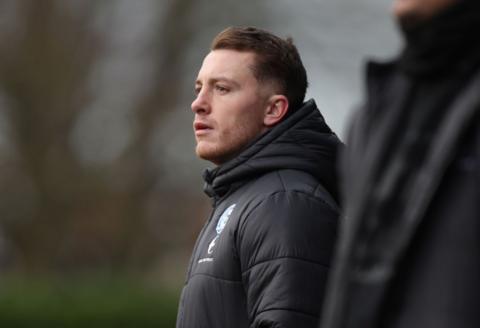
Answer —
86 303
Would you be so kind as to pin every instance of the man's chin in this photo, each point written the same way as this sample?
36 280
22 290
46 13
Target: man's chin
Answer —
411 15
212 155
206 154
405 16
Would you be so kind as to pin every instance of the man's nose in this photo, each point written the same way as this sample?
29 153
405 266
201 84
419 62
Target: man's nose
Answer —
201 104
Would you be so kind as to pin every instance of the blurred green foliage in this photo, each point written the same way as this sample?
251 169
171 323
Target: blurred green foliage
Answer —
93 302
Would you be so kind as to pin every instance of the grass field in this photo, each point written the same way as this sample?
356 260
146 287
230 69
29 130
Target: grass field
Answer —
92 303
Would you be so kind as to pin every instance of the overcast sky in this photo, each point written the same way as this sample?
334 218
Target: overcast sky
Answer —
335 38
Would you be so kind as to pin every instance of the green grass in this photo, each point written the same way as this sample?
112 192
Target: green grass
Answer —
85 303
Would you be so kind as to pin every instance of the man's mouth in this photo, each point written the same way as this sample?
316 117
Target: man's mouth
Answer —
201 128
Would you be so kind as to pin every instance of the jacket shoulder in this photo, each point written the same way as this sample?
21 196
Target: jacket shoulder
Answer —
290 181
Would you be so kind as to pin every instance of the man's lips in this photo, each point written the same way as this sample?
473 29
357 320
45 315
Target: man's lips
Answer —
201 128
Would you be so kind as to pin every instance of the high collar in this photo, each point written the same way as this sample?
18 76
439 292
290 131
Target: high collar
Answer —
303 142
444 43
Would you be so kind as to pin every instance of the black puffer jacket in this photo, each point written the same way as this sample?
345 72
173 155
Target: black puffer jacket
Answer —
262 258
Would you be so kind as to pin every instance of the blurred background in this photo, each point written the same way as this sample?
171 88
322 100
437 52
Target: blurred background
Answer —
100 191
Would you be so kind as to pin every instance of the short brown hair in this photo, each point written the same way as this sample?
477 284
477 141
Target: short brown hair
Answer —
277 59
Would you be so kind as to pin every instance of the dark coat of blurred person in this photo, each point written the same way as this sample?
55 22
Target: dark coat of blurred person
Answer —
409 246
263 256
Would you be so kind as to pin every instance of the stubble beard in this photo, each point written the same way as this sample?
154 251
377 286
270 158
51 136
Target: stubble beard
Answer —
226 147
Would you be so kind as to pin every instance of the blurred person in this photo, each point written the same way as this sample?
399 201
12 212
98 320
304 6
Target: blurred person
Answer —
263 256
408 251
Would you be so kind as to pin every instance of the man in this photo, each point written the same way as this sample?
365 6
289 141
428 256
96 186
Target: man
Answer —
262 258
408 251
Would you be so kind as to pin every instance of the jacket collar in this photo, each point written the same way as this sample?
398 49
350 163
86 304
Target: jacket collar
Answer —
303 142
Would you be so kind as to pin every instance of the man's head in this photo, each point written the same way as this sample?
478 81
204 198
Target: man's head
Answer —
412 12
247 84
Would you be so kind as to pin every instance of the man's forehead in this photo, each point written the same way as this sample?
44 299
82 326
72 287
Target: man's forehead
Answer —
227 63
220 54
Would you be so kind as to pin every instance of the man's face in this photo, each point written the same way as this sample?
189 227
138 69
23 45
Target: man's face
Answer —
411 12
230 105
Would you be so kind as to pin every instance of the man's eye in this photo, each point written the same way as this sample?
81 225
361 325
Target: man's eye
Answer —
221 89
197 90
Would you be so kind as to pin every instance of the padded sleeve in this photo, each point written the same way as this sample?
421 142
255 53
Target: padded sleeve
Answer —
285 246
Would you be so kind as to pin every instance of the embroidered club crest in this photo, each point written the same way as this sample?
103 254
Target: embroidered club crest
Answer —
224 218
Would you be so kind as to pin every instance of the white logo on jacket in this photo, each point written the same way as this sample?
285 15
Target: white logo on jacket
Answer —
224 218
212 245
222 222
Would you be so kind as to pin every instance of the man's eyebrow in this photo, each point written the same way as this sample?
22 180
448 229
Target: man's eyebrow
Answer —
222 79
218 79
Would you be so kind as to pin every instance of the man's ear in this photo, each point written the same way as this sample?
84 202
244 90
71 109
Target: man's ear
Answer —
277 108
